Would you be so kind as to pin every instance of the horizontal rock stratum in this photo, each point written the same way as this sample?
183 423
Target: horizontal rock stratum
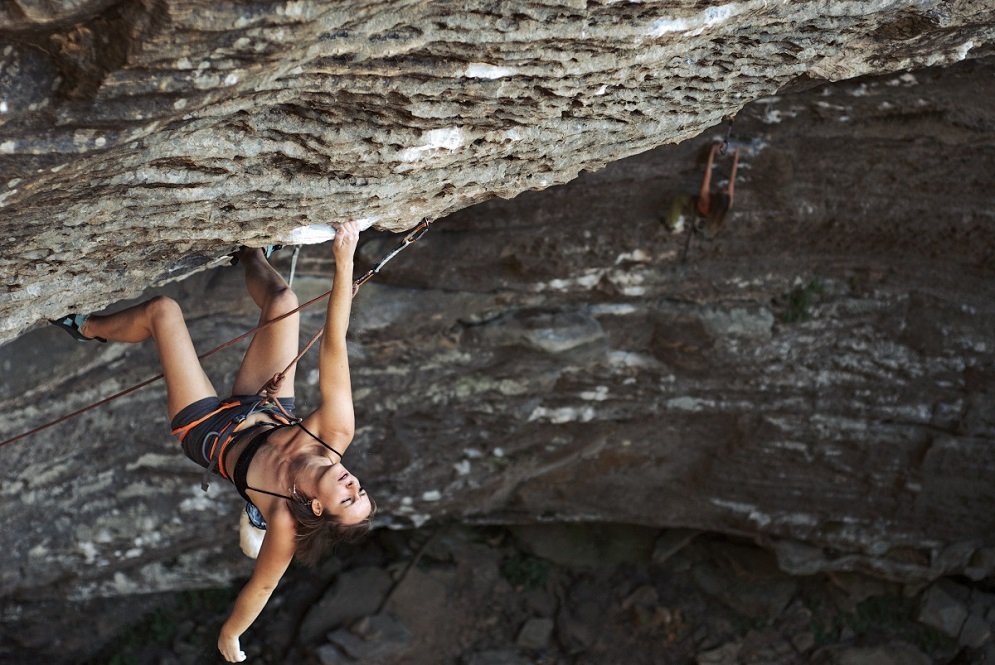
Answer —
141 140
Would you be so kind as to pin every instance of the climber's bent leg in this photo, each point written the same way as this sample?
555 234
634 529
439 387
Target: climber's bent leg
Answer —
161 319
272 348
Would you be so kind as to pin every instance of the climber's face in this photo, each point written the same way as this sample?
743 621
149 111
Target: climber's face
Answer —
340 494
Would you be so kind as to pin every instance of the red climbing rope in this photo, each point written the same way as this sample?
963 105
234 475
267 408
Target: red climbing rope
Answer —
273 384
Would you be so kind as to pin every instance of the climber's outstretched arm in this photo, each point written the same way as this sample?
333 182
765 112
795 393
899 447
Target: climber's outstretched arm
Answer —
335 420
274 557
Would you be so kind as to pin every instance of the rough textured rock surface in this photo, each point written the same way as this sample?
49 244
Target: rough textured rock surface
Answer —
141 140
578 594
819 376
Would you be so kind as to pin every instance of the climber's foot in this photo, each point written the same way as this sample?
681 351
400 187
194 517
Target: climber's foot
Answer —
74 324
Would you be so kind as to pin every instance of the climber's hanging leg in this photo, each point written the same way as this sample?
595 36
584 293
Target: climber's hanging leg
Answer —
272 348
161 319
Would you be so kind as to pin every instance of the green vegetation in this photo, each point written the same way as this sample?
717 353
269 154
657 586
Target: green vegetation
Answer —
526 571
798 302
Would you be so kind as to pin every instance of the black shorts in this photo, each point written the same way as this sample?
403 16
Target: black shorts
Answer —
198 439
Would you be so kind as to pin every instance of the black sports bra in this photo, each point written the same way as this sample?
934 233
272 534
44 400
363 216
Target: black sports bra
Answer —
240 474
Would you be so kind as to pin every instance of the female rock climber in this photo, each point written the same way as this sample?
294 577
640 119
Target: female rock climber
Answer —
289 469
711 208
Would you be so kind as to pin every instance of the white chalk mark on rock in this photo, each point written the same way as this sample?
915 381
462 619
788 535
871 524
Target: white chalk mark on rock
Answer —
482 70
695 25
449 138
964 49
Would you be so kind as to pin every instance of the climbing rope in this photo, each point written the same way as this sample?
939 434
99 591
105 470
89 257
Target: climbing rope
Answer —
273 384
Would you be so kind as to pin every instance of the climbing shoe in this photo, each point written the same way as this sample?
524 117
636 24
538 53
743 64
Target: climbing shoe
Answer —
73 324
267 252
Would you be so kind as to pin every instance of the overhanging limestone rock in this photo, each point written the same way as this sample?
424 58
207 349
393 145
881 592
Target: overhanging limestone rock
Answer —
139 141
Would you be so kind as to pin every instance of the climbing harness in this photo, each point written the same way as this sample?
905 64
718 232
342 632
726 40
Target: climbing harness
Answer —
231 432
273 385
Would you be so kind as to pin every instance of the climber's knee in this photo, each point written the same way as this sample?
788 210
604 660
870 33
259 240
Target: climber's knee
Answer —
280 301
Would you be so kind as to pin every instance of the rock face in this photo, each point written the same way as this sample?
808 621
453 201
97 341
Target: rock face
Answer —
141 140
487 596
817 376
